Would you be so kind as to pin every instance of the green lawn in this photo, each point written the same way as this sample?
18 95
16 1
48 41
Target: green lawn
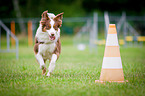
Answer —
74 75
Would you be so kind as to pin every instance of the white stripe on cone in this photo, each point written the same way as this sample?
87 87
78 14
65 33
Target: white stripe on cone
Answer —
112 40
112 63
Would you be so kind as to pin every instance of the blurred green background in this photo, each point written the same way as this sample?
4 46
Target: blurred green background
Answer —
71 8
32 9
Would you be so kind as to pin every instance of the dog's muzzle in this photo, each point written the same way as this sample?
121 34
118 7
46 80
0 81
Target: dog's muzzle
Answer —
52 36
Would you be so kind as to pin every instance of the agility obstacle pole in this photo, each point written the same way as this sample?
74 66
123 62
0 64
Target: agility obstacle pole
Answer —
13 32
30 34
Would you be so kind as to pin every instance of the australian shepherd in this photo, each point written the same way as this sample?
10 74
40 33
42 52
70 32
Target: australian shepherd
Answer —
47 41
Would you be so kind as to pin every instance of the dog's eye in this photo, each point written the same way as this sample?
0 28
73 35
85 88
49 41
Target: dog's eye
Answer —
58 25
55 27
48 26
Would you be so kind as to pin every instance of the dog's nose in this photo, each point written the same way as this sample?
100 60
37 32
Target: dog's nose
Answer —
52 34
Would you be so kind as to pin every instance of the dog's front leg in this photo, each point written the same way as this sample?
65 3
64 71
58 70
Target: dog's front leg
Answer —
52 64
40 60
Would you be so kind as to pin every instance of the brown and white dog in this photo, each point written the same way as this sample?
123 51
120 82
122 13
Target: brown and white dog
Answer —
47 41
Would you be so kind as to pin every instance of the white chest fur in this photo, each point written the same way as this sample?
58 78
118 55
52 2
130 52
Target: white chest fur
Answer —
46 50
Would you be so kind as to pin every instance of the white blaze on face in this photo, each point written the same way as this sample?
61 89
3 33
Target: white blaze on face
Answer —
51 15
52 31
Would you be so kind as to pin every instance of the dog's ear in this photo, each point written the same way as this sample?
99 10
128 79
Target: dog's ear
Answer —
58 17
44 17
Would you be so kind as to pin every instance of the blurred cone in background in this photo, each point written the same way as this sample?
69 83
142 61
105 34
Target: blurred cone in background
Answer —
112 65
13 32
30 34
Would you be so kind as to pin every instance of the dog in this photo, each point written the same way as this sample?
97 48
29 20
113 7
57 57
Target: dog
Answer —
47 41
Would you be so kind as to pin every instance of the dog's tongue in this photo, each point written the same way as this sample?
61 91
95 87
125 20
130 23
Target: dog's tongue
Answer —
52 37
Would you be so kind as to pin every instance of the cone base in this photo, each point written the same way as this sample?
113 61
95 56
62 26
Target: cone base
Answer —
112 75
99 81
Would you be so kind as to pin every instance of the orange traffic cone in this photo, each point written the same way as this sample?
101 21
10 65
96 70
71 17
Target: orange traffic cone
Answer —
112 66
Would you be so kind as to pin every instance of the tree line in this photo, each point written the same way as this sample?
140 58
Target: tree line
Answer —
71 8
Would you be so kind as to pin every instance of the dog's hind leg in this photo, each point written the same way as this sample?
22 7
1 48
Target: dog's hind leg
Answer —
44 70
52 64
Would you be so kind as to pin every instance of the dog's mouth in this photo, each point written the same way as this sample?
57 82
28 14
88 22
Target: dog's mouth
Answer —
52 37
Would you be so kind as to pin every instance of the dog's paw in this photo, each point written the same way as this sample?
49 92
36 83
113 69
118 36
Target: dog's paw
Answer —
48 74
42 67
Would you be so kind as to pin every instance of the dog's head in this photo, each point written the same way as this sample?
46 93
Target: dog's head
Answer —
51 24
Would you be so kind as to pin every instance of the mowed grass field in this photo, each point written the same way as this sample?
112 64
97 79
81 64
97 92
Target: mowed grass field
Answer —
74 75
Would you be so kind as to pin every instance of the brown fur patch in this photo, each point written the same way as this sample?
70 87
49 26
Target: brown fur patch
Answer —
36 46
45 21
58 21
44 71
57 48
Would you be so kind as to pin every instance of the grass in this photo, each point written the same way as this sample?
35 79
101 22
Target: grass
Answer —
74 75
